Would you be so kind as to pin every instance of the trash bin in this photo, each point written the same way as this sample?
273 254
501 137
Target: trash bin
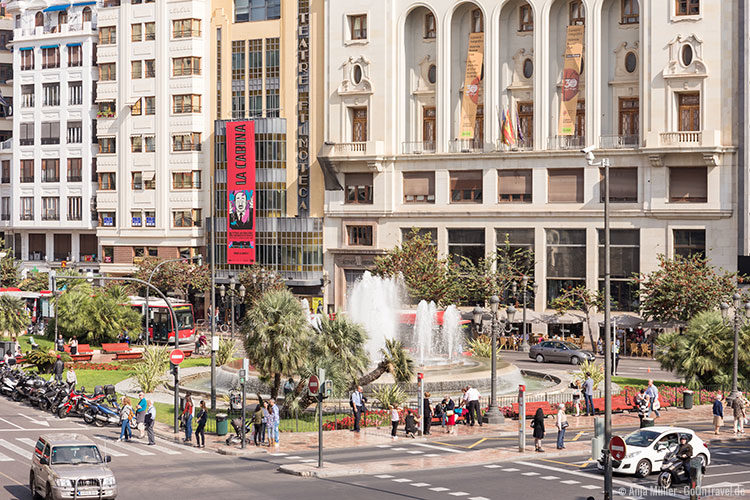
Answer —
222 425
647 422
687 399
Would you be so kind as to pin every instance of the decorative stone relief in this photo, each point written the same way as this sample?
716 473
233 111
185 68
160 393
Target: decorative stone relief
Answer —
520 80
356 77
623 60
423 85
685 58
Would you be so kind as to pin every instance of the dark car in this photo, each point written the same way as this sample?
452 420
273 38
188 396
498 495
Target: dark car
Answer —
559 351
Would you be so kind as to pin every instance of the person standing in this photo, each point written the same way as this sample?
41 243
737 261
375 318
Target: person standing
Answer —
73 346
140 414
187 417
149 421
472 405
653 399
200 431
450 415
718 411
537 423
126 413
258 425
588 395
738 409
357 403
70 378
561 422
577 398
267 423
60 344
426 414
642 405
273 410
58 369
394 421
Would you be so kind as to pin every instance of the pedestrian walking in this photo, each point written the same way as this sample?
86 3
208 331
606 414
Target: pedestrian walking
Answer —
561 422
58 369
273 410
472 406
450 414
187 418
718 411
60 344
200 431
537 423
140 414
70 378
394 421
149 421
642 405
738 409
267 423
653 399
257 419
126 414
357 402
426 414
588 395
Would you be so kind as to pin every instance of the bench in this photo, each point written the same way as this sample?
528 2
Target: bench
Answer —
82 357
82 349
531 408
115 348
187 352
128 355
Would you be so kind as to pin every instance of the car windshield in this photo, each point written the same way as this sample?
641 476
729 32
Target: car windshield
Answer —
641 438
85 454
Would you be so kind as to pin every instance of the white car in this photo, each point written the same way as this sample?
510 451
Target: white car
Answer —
646 448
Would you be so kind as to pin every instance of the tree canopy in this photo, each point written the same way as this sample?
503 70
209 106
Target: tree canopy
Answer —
178 277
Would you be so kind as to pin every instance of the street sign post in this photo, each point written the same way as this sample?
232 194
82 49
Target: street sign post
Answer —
521 417
313 385
242 375
617 448
420 401
176 356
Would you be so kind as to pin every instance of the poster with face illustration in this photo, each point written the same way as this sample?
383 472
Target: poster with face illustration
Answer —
240 192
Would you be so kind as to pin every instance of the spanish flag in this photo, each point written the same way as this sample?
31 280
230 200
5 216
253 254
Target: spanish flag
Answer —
509 138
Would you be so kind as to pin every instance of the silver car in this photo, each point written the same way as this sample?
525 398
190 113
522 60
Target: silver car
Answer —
70 466
559 351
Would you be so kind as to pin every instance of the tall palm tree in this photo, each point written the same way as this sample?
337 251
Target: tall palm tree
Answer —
396 361
277 336
13 315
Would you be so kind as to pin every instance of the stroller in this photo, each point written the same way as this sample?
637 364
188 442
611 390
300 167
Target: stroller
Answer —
237 438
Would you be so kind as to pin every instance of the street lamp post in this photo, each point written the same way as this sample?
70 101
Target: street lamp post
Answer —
738 321
525 289
233 291
493 415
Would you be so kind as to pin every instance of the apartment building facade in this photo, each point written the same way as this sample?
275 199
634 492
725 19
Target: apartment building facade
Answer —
656 91
153 130
267 68
48 180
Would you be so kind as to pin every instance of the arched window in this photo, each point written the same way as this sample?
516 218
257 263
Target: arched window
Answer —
87 14
62 17
39 19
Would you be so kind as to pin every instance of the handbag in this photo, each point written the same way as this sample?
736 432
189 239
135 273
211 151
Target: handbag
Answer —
565 425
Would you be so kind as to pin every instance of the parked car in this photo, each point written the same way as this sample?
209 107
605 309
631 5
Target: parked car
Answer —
70 466
560 351
646 449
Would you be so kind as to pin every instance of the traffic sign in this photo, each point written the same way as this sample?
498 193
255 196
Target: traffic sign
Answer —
176 356
313 385
617 448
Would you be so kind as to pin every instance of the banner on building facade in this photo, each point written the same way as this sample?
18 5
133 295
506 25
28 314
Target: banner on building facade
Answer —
472 84
571 80
240 192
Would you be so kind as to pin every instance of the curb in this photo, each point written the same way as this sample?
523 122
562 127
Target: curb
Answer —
304 470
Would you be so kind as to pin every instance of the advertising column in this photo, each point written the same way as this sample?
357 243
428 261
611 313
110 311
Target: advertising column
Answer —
571 80
241 192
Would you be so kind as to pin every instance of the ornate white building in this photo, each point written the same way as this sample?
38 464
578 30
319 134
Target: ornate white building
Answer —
657 94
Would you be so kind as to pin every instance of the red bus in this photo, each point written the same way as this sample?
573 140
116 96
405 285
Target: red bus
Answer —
160 324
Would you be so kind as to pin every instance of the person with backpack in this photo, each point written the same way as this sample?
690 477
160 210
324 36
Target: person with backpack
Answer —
126 414
200 434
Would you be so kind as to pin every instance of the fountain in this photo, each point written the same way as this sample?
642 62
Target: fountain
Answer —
452 334
374 302
425 326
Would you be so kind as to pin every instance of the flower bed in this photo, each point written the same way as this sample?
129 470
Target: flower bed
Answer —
375 418
97 366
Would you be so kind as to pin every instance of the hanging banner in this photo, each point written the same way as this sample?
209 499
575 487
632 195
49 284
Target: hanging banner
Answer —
571 80
472 84
240 192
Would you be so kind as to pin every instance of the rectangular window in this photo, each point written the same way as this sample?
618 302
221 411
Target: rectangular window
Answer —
466 186
255 78
27 96
51 94
75 208
27 170
525 18
466 243
107 145
358 188
136 32
419 187
136 181
688 184
517 244
75 93
629 110
107 109
75 55
186 218
107 72
577 13
629 12
50 208
6 172
50 133
565 185
108 35
150 218
238 76
566 260
359 124
525 113
358 27
256 10
623 185
186 103
186 66
687 7
136 220
149 143
689 104
5 208
149 66
359 236
186 180
27 59
137 108
50 57
219 70
136 69
186 28
107 219
514 186
150 105
75 132
186 142
26 131
430 27
625 257
107 181
75 169
150 30
27 208
136 144
407 233
273 104
689 242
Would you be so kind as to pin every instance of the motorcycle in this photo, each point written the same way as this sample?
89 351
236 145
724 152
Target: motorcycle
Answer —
9 381
673 471
25 387
76 403
102 414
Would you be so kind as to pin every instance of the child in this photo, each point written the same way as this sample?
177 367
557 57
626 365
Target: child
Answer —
577 398
394 421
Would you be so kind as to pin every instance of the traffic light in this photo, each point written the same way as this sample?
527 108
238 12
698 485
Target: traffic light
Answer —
327 389
174 369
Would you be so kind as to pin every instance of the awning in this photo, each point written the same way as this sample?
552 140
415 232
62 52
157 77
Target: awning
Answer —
149 175
77 44
81 4
56 8
49 46
26 48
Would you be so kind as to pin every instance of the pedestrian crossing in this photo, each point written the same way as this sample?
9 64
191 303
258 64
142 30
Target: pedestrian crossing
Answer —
21 449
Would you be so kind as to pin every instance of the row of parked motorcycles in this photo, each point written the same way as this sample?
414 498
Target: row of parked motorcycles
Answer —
59 398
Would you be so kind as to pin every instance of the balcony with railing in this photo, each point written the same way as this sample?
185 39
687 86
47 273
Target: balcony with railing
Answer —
619 142
684 138
6 145
526 144
475 145
566 142
418 147
344 150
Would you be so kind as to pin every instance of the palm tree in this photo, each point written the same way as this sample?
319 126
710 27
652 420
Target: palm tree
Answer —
277 336
13 315
396 361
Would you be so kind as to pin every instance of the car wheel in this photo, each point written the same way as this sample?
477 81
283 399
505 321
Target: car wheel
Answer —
643 468
49 493
539 358
575 360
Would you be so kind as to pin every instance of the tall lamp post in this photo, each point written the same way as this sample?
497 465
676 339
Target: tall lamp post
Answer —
525 290
493 415
737 321
233 291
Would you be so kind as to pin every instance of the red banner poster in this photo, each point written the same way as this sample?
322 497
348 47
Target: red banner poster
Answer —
240 192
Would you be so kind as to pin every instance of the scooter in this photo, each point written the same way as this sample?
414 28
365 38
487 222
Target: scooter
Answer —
101 414
673 471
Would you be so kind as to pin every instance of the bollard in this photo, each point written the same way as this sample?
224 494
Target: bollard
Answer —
596 447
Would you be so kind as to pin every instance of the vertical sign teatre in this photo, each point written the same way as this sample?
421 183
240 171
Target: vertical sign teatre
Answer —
303 107
240 192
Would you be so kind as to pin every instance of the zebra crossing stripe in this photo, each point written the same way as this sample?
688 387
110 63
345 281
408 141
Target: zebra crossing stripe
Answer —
110 451
125 447
27 441
15 449
191 449
162 449
4 458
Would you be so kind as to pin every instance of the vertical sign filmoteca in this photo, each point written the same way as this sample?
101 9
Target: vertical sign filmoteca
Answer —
303 107
241 192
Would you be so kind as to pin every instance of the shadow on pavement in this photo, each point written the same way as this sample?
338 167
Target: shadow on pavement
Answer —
18 492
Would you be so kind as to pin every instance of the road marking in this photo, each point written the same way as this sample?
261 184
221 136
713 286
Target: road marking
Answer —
450 450
578 436
493 466
180 447
384 445
11 423
15 449
122 446
401 480
478 442
726 474
420 485
584 464
415 452
27 441
38 422
590 486
570 481
530 474
56 429
308 460
293 457
4 458
278 454
479 498
452 445
398 449
162 449
549 478
439 489
384 476
432 455
458 494
511 469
